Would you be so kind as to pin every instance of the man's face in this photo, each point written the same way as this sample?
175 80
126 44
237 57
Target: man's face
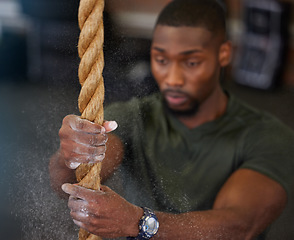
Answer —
185 64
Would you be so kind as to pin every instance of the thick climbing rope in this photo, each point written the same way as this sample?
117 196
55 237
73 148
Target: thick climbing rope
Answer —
90 49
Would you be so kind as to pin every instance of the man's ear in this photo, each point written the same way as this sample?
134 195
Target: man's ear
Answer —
225 54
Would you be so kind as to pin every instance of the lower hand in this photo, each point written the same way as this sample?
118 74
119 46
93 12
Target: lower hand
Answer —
103 213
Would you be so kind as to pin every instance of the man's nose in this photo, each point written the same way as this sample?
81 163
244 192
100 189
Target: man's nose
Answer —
175 76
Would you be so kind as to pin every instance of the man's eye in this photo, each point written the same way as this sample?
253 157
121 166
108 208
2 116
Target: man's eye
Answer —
161 60
192 63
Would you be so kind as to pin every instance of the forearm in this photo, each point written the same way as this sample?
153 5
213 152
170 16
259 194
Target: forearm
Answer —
247 203
113 157
212 224
60 173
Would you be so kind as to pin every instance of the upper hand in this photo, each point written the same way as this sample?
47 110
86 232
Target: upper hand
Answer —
82 141
103 213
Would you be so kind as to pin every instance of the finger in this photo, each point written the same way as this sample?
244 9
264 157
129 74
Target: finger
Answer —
110 126
80 154
88 150
78 207
80 216
78 223
73 165
75 162
81 209
66 132
89 139
79 124
77 191
77 204
72 150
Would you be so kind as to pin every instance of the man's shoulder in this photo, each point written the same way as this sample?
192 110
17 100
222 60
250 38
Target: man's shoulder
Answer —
248 114
258 121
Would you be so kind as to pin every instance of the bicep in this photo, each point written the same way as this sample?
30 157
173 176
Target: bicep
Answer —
113 157
257 198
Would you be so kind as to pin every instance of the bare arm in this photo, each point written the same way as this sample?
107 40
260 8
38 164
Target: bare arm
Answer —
113 157
60 173
82 141
245 206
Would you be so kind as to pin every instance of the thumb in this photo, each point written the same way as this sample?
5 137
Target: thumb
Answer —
110 126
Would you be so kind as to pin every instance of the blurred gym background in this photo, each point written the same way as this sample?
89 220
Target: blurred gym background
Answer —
39 86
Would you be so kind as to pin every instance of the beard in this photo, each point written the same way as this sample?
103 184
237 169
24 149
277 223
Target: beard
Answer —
190 110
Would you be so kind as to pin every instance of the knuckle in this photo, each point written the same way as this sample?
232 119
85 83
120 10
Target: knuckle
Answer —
70 202
61 132
76 123
104 149
64 133
98 139
99 158
80 123
96 151
91 151
104 138
67 119
94 140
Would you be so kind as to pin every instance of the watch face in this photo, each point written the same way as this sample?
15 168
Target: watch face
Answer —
151 226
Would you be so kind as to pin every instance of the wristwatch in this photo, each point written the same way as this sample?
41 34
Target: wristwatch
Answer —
148 225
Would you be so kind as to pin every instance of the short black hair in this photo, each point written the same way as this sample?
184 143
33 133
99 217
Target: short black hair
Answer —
209 14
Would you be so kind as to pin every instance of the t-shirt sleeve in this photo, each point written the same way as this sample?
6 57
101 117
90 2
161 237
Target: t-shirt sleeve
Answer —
269 149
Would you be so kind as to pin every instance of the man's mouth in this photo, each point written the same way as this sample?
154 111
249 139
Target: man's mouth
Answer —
175 98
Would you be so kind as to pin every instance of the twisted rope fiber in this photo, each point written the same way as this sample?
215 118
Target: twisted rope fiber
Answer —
90 49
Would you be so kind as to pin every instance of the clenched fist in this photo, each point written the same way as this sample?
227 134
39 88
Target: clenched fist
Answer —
82 141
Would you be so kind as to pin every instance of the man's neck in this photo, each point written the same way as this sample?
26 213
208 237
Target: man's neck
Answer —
214 107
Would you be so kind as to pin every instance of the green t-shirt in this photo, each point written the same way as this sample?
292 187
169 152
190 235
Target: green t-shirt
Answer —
172 168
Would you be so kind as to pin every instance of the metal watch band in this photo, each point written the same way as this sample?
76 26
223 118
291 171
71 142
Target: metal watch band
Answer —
144 235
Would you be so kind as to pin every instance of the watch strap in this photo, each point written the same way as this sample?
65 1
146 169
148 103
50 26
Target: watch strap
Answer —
143 235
